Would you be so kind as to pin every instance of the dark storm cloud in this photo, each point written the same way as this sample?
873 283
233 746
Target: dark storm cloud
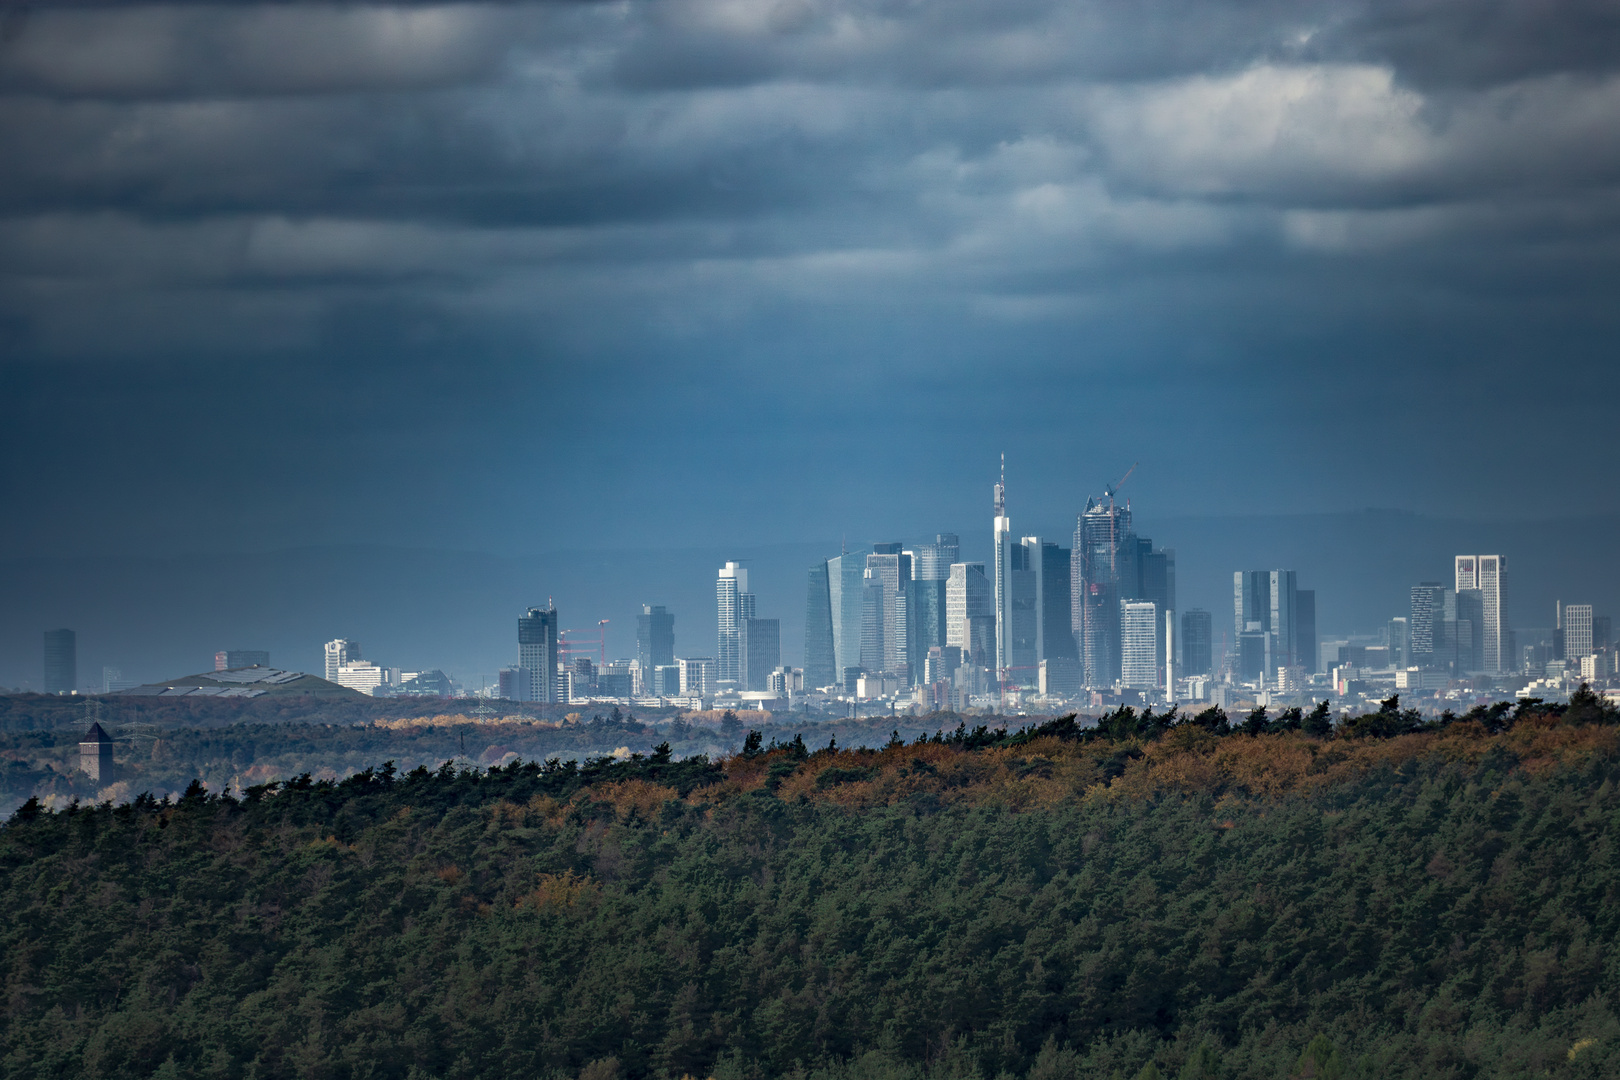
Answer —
814 215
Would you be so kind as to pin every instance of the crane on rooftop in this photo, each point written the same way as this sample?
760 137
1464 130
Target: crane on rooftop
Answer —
1113 540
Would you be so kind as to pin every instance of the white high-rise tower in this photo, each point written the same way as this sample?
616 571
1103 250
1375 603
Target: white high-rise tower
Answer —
1002 567
1488 574
736 607
340 651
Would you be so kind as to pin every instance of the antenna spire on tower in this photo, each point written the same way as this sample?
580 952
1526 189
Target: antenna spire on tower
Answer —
1001 490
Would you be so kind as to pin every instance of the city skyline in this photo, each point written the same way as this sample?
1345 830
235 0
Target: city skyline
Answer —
676 575
905 631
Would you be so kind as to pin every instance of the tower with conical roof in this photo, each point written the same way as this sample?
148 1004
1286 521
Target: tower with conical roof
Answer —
96 754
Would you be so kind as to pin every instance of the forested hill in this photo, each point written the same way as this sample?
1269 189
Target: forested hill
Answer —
1148 899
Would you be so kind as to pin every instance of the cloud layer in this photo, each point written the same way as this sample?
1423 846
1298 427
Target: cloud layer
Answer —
808 212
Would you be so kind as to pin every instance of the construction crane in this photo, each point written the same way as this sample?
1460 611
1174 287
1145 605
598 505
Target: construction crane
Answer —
1109 489
1113 540
576 648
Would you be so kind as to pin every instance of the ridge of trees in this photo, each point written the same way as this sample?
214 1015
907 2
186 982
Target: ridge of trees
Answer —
1433 903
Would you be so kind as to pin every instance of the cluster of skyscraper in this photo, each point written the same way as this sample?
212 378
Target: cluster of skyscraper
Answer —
1037 618
747 659
1274 627
1457 629
750 647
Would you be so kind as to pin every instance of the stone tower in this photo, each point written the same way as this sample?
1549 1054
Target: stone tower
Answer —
96 755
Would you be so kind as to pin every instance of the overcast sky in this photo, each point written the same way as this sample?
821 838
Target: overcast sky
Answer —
522 276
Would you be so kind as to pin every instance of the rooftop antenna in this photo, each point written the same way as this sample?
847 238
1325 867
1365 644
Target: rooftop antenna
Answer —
1001 490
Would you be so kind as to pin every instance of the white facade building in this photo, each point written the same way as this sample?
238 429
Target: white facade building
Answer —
967 595
698 675
361 675
1488 574
340 651
1576 621
1139 644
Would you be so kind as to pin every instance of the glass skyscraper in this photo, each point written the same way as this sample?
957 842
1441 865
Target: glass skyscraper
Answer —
1488 574
735 606
1104 557
884 636
61 661
1197 642
820 659
1425 624
846 585
655 640
537 652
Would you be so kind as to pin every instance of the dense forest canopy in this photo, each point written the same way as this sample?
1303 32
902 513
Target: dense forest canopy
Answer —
1158 896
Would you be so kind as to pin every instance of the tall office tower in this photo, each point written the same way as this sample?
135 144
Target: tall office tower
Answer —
846 589
655 639
1577 620
231 659
1155 580
61 661
340 651
1253 655
1425 627
1197 642
1021 617
1305 630
1463 637
1281 596
1400 642
1602 633
820 660
1251 602
1139 644
1488 574
925 620
932 562
1001 565
762 648
1274 620
537 652
1104 557
1251 618
1054 631
925 597
884 632
980 632
968 596
729 591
